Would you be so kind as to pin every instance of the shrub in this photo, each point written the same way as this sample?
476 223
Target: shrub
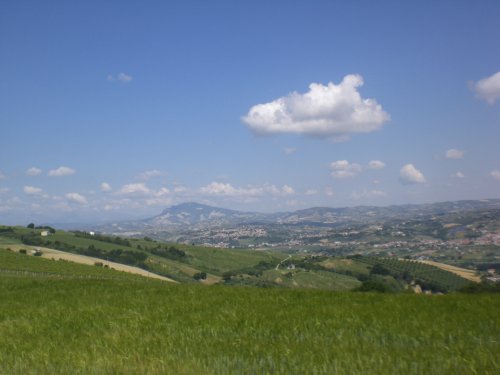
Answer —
373 286
200 276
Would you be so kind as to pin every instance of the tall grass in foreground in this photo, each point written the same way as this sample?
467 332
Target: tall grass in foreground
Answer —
52 326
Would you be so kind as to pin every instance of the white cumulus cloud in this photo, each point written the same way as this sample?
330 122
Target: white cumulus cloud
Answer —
376 164
454 154
344 169
325 111
105 187
488 88
31 190
33 171
459 175
61 171
77 198
411 175
495 174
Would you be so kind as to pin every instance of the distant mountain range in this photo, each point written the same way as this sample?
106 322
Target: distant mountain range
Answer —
194 216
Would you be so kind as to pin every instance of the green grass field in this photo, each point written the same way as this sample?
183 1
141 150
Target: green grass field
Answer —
134 325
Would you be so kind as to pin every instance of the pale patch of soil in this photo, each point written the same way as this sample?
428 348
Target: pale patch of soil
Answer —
466 274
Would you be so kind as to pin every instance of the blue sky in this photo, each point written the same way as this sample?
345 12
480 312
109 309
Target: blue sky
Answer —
117 109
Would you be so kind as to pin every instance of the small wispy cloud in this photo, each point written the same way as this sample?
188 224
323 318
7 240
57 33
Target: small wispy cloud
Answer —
31 190
105 187
33 171
147 175
289 150
343 169
311 192
329 192
376 164
495 174
121 77
137 188
454 154
226 189
367 194
458 175
77 198
61 171
2 176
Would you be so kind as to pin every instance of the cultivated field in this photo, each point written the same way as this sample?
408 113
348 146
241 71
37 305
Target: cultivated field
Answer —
82 259
115 322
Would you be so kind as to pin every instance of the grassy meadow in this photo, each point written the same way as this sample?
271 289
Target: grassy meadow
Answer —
130 324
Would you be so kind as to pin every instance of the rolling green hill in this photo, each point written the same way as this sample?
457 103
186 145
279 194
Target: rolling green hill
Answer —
208 265
178 262
55 320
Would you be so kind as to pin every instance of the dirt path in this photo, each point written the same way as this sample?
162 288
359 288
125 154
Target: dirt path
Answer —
465 273
279 264
83 259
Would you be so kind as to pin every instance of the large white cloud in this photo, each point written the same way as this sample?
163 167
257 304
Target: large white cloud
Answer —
411 175
344 169
454 154
31 190
488 88
324 111
33 171
77 198
61 171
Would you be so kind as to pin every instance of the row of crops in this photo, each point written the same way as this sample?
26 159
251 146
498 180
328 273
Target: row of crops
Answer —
427 276
12 263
